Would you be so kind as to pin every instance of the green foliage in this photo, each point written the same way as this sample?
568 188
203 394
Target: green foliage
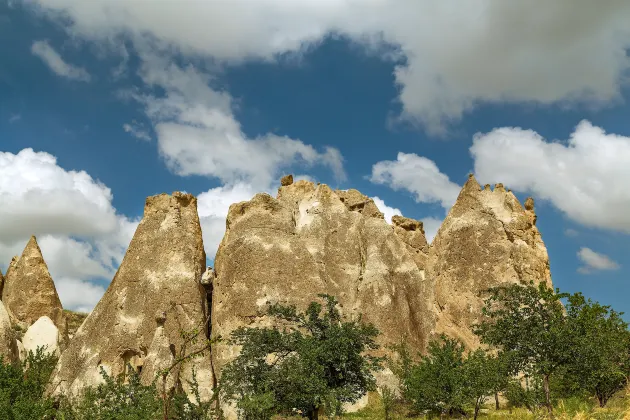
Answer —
316 361
22 387
528 323
525 392
600 360
115 399
446 382
388 399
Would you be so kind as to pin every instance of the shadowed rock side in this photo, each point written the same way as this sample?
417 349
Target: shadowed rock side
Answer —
310 240
486 240
29 291
1 284
8 343
155 295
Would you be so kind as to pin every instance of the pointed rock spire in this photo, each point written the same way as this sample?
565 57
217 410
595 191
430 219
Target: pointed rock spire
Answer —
160 273
29 291
486 240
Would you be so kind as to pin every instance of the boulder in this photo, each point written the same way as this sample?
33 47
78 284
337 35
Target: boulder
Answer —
155 295
9 352
487 239
29 291
43 333
310 240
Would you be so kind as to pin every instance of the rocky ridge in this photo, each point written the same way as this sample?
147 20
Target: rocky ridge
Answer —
307 240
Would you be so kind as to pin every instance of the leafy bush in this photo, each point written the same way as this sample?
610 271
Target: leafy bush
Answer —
22 387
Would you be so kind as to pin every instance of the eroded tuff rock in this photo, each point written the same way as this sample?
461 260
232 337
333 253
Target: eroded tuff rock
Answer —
486 240
1 284
155 295
9 352
43 333
29 291
310 240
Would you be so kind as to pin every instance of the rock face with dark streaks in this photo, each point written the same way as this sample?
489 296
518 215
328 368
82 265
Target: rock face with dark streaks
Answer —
155 295
487 239
311 239
8 344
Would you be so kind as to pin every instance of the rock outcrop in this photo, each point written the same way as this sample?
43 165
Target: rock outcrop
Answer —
43 333
155 295
9 352
29 291
486 240
1 283
310 240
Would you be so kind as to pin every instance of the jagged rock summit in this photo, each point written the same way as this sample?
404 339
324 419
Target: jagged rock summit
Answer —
29 291
155 295
311 239
486 240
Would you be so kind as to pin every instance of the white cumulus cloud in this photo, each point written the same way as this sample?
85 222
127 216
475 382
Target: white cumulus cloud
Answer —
56 63
213 206
594 261
81 235
560 52
585 176
418 175
387 211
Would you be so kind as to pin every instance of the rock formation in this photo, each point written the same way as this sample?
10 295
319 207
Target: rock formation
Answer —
9 352
29 291
1 284
155 295
487 239
310 240
43 333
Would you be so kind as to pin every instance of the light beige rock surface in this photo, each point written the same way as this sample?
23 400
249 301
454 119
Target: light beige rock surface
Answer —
29 291
43 333
310 240
155 295
486 240
9 352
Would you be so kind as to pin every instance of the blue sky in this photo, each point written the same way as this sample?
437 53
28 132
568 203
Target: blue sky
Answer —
122 100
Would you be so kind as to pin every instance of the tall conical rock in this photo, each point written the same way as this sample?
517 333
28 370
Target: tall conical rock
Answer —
29 291
155 295
8 343
487 239
311 240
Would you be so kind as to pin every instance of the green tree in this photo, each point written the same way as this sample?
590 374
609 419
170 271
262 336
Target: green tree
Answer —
437 384
316 360
600 361
22 387
529 324
485 375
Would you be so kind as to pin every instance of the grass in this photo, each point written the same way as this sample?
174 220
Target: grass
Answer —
618 408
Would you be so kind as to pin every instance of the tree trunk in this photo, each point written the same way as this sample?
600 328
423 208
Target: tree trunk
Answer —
477 406
313 414
547 393
496 401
